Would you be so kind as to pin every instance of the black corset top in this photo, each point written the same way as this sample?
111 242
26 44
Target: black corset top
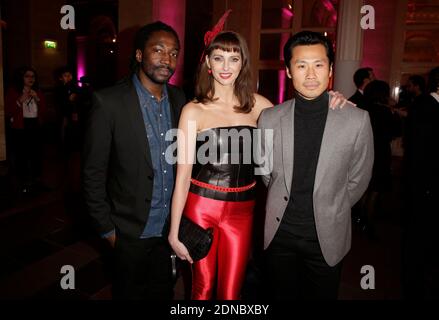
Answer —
224 158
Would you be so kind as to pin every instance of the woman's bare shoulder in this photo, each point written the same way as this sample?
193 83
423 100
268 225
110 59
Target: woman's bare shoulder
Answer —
192 111
192 108
261 103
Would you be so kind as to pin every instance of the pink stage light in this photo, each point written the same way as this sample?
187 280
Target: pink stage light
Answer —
81 47
173 13
287 15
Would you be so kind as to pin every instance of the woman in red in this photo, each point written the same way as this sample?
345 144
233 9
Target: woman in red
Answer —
24 109
218 190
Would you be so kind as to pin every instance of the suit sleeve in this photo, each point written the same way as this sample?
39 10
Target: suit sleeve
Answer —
42 107
11 107
96 154
264 154
360 170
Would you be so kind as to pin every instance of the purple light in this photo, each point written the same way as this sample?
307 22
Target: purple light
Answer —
287 15
81 45
328 9
81 71
173 13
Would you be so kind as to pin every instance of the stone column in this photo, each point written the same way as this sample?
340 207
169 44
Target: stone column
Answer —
245 19
349 45
173 12
2 105
133 14
398 47
81 56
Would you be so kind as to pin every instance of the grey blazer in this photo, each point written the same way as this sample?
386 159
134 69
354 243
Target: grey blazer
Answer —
343 172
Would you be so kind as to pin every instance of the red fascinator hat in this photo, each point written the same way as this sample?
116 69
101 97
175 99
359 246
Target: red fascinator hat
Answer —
211 34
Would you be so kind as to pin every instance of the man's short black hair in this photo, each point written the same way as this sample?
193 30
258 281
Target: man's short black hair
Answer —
64 69
142 36
307 38
377 91
360 75
419 81
433 80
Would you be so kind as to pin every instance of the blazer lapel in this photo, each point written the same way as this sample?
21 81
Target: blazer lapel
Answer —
287 130
133 106
329 133
172 106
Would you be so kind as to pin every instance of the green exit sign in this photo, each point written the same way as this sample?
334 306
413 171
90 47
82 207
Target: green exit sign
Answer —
48 44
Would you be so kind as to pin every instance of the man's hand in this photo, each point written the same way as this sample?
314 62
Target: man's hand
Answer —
73 97
338 100
112 239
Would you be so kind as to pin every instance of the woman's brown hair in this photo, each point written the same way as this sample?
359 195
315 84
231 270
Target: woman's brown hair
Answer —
204 86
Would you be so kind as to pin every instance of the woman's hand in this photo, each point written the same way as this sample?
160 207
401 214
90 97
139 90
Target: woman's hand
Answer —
34 95
180 249
24 97
338 100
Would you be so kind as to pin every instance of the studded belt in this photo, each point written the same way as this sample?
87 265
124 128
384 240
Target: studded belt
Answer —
223 189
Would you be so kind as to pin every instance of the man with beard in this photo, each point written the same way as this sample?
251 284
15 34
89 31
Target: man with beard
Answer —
127 181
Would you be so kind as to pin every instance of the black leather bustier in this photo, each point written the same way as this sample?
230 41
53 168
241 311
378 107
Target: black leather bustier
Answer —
224 158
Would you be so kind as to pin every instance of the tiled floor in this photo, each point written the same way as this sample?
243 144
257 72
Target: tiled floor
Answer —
41 233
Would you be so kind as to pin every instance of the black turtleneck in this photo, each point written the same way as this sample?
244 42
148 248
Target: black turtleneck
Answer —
309 124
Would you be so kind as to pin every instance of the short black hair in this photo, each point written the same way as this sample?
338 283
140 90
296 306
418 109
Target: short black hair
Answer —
360 75
61 70
307 38
142 36
419 81
377 91
433 80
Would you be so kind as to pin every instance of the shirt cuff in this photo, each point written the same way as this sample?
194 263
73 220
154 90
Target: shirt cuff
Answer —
108 234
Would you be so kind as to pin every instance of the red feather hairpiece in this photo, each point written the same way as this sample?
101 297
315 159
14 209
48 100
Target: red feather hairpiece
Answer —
211 34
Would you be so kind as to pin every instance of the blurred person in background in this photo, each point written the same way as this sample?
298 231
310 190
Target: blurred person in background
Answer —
24 109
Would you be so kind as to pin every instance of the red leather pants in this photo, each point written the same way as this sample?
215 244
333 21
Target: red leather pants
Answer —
226 263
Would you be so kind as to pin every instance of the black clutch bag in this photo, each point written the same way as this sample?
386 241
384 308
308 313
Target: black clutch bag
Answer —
196 239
